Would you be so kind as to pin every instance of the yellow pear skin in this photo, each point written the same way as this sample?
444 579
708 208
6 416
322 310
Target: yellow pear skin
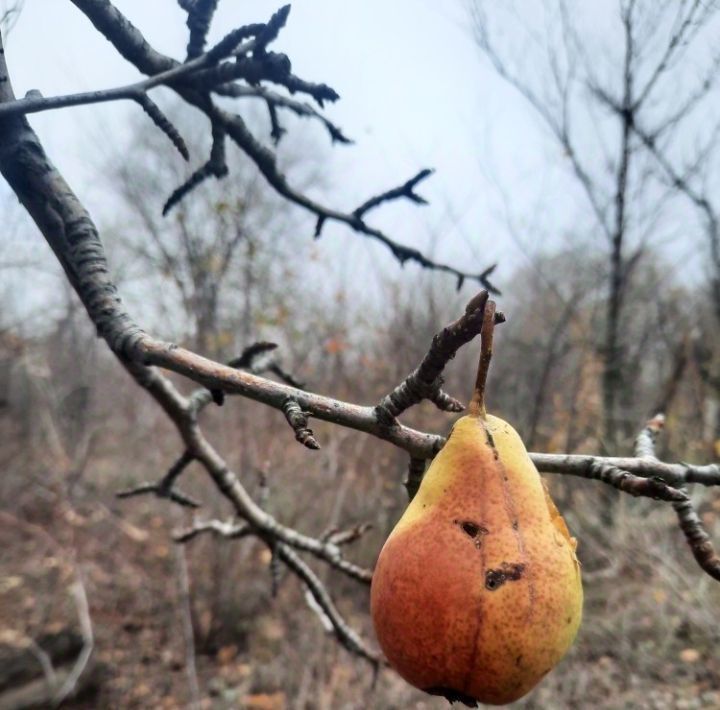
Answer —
477 592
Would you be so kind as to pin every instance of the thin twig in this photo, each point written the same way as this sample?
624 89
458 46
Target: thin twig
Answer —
406 190
216 166
229 529
165 487
299 108
187 625
345 537
86 629
697 537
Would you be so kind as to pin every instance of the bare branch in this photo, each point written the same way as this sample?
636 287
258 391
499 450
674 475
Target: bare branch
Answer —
698 539
345 537
347 637
276 100
200 76
653 487
345 634
83 612
406 190
678 40
264 34
163 123
10 16
154 488
249 357
558 125
229 529
265 161
675 474
256 359
425 381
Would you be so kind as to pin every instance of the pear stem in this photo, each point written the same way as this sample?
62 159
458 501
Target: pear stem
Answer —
477 403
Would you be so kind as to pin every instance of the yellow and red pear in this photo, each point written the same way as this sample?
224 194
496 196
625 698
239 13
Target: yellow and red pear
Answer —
477 592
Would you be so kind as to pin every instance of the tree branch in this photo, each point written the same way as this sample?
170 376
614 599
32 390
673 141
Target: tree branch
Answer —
262 65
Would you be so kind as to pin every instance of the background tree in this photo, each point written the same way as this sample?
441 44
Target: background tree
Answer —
590 97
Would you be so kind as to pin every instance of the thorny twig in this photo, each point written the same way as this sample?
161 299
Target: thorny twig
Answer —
426 380
407 190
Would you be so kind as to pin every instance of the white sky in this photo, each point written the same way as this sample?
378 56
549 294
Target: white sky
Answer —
414 93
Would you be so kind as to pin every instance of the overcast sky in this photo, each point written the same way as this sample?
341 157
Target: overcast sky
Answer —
414 93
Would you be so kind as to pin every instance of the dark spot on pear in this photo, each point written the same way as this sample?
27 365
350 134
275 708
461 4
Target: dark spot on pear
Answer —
472 530
518 660
491 444
453 696
515 525
507 572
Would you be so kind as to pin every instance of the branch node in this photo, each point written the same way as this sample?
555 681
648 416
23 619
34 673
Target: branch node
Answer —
165 487
298 420
406 190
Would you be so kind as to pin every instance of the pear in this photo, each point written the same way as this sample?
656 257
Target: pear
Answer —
477 592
